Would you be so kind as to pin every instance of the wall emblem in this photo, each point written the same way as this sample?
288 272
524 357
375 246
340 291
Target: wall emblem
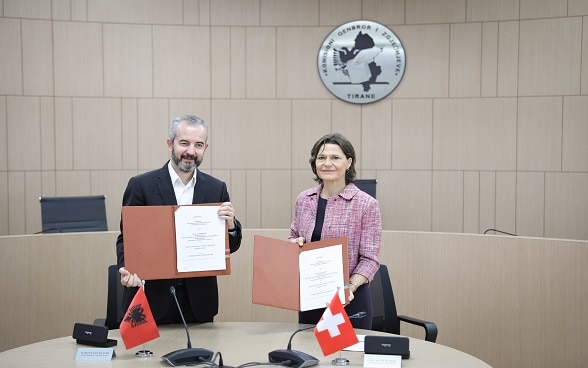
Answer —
361 62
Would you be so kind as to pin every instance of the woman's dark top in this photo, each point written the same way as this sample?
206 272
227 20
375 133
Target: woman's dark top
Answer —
362 301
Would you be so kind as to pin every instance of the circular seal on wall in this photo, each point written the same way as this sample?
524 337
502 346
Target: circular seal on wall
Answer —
361 62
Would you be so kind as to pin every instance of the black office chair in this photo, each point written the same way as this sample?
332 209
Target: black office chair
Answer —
114 312
385 315
367 185
73 214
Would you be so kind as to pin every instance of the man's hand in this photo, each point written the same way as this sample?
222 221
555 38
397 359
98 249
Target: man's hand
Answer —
127 279
227 213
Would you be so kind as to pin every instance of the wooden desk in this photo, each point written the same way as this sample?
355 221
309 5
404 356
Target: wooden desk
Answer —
238 342
484 292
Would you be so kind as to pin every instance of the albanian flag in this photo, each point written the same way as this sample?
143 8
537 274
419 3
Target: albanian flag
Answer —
138 325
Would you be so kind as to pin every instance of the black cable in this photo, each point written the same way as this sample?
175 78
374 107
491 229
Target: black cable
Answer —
285 363
205 362
220 364
499 231
212 364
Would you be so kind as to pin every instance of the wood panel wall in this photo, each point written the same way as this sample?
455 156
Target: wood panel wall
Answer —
487 129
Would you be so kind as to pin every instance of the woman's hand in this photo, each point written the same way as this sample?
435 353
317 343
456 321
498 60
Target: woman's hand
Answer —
299 240
355 281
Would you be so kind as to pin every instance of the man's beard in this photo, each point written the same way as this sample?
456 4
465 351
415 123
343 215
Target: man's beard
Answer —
186 167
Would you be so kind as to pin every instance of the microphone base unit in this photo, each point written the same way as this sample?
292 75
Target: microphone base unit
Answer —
190 356
294 358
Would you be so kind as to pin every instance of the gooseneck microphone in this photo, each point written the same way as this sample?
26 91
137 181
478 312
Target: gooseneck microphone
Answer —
295 332
172 290
188 356
358 315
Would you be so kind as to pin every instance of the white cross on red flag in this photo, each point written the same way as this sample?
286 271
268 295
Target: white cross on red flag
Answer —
334 331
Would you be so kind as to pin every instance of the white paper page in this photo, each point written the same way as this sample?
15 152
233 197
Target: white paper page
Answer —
358 346
382 361
200 239
95 354
321 273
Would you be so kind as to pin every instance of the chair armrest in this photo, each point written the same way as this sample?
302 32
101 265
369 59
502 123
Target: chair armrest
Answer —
430 327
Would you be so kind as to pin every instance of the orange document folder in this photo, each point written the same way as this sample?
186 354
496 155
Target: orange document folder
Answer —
276 274
150 243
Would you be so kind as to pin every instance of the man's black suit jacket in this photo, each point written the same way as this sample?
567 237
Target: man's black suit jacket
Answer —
154 188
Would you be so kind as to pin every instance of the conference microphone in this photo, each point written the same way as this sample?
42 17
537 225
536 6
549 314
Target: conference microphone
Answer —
298 359
190 355
292 358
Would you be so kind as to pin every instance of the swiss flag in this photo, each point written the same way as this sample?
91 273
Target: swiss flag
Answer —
334 331
138 325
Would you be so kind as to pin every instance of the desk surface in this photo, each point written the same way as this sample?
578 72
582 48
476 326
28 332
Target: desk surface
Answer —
238 342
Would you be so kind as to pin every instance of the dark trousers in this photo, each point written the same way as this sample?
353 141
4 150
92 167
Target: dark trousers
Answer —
173 314
362 302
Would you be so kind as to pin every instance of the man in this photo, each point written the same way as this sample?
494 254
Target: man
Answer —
179 182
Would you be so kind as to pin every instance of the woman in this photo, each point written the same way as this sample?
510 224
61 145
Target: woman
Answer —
335 208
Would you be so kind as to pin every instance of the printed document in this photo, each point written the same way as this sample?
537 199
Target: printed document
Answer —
321 275
200 239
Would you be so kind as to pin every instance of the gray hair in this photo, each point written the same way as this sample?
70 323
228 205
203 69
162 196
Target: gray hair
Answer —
191 120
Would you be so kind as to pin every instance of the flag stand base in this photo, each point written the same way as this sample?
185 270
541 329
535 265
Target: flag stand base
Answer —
144 353
340 361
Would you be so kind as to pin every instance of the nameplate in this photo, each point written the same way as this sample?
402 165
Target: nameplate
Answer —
382 361
95 354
